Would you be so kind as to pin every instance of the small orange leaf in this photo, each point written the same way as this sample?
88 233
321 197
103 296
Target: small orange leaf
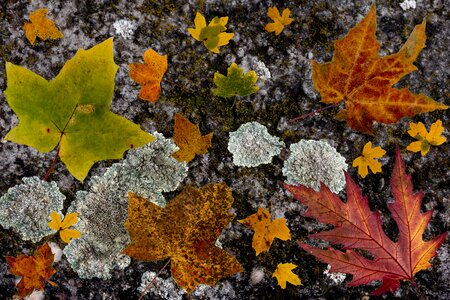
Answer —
425 138
35 270
367 160
63 226
279 21
41 26
284 274
266 230
188 138
149 74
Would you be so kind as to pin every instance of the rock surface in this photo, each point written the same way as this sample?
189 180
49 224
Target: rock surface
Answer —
286 92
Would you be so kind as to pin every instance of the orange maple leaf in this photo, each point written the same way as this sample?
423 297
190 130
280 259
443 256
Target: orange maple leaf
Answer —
361 78
185 230
149 74
35 270
357 227
188 138
266 230
41 26
279 21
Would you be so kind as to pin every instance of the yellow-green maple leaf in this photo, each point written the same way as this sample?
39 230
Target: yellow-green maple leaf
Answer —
212 35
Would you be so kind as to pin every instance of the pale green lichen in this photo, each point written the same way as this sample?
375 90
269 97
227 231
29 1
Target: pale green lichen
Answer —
146 171
311 162
252 145
26 208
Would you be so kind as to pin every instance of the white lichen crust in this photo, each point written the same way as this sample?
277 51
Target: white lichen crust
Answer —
26 208
311 162
252 145
146 171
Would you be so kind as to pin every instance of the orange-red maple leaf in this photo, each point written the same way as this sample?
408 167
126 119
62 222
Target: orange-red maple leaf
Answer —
357 227
185 230
149 74
361 78
35 270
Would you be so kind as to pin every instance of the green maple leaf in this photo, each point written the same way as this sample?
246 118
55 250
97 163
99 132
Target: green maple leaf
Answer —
236 83
72 111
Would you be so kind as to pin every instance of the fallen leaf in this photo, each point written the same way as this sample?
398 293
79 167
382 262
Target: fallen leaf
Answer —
41 26
64 226
72 111
35 270
213 35
363 80
367 159
279 21
425 139
189 139
266 230
284 274
236 83
149 74
357 227
185 231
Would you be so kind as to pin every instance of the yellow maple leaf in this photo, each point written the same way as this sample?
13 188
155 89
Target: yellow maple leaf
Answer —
63 226
188 138
149 74
367 159
266 230
279 21
425 139
284 274
212 35
41 26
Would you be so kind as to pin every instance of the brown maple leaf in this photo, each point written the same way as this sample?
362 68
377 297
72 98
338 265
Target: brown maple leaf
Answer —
41 26
266 230
188 138
185 230
35 270
149 74
357 227
361 78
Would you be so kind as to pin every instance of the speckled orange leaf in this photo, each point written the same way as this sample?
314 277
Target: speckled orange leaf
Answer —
35 270
185 231
363 79
41 26
188 138
266 230
149 74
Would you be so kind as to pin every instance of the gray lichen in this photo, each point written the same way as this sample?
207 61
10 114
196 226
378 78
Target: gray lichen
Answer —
311 162
26 208
146 171
252 145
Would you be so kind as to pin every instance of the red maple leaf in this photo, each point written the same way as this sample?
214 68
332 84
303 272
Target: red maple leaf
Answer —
357 227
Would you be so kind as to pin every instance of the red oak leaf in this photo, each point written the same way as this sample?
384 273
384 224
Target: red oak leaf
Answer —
357 227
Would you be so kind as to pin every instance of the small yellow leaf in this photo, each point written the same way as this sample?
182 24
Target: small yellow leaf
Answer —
266 230
63 226
279 21
425 139
284 274
41 26
188 138
367 160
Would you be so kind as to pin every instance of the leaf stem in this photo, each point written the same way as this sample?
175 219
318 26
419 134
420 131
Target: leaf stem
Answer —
153 280
313 112
52 166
